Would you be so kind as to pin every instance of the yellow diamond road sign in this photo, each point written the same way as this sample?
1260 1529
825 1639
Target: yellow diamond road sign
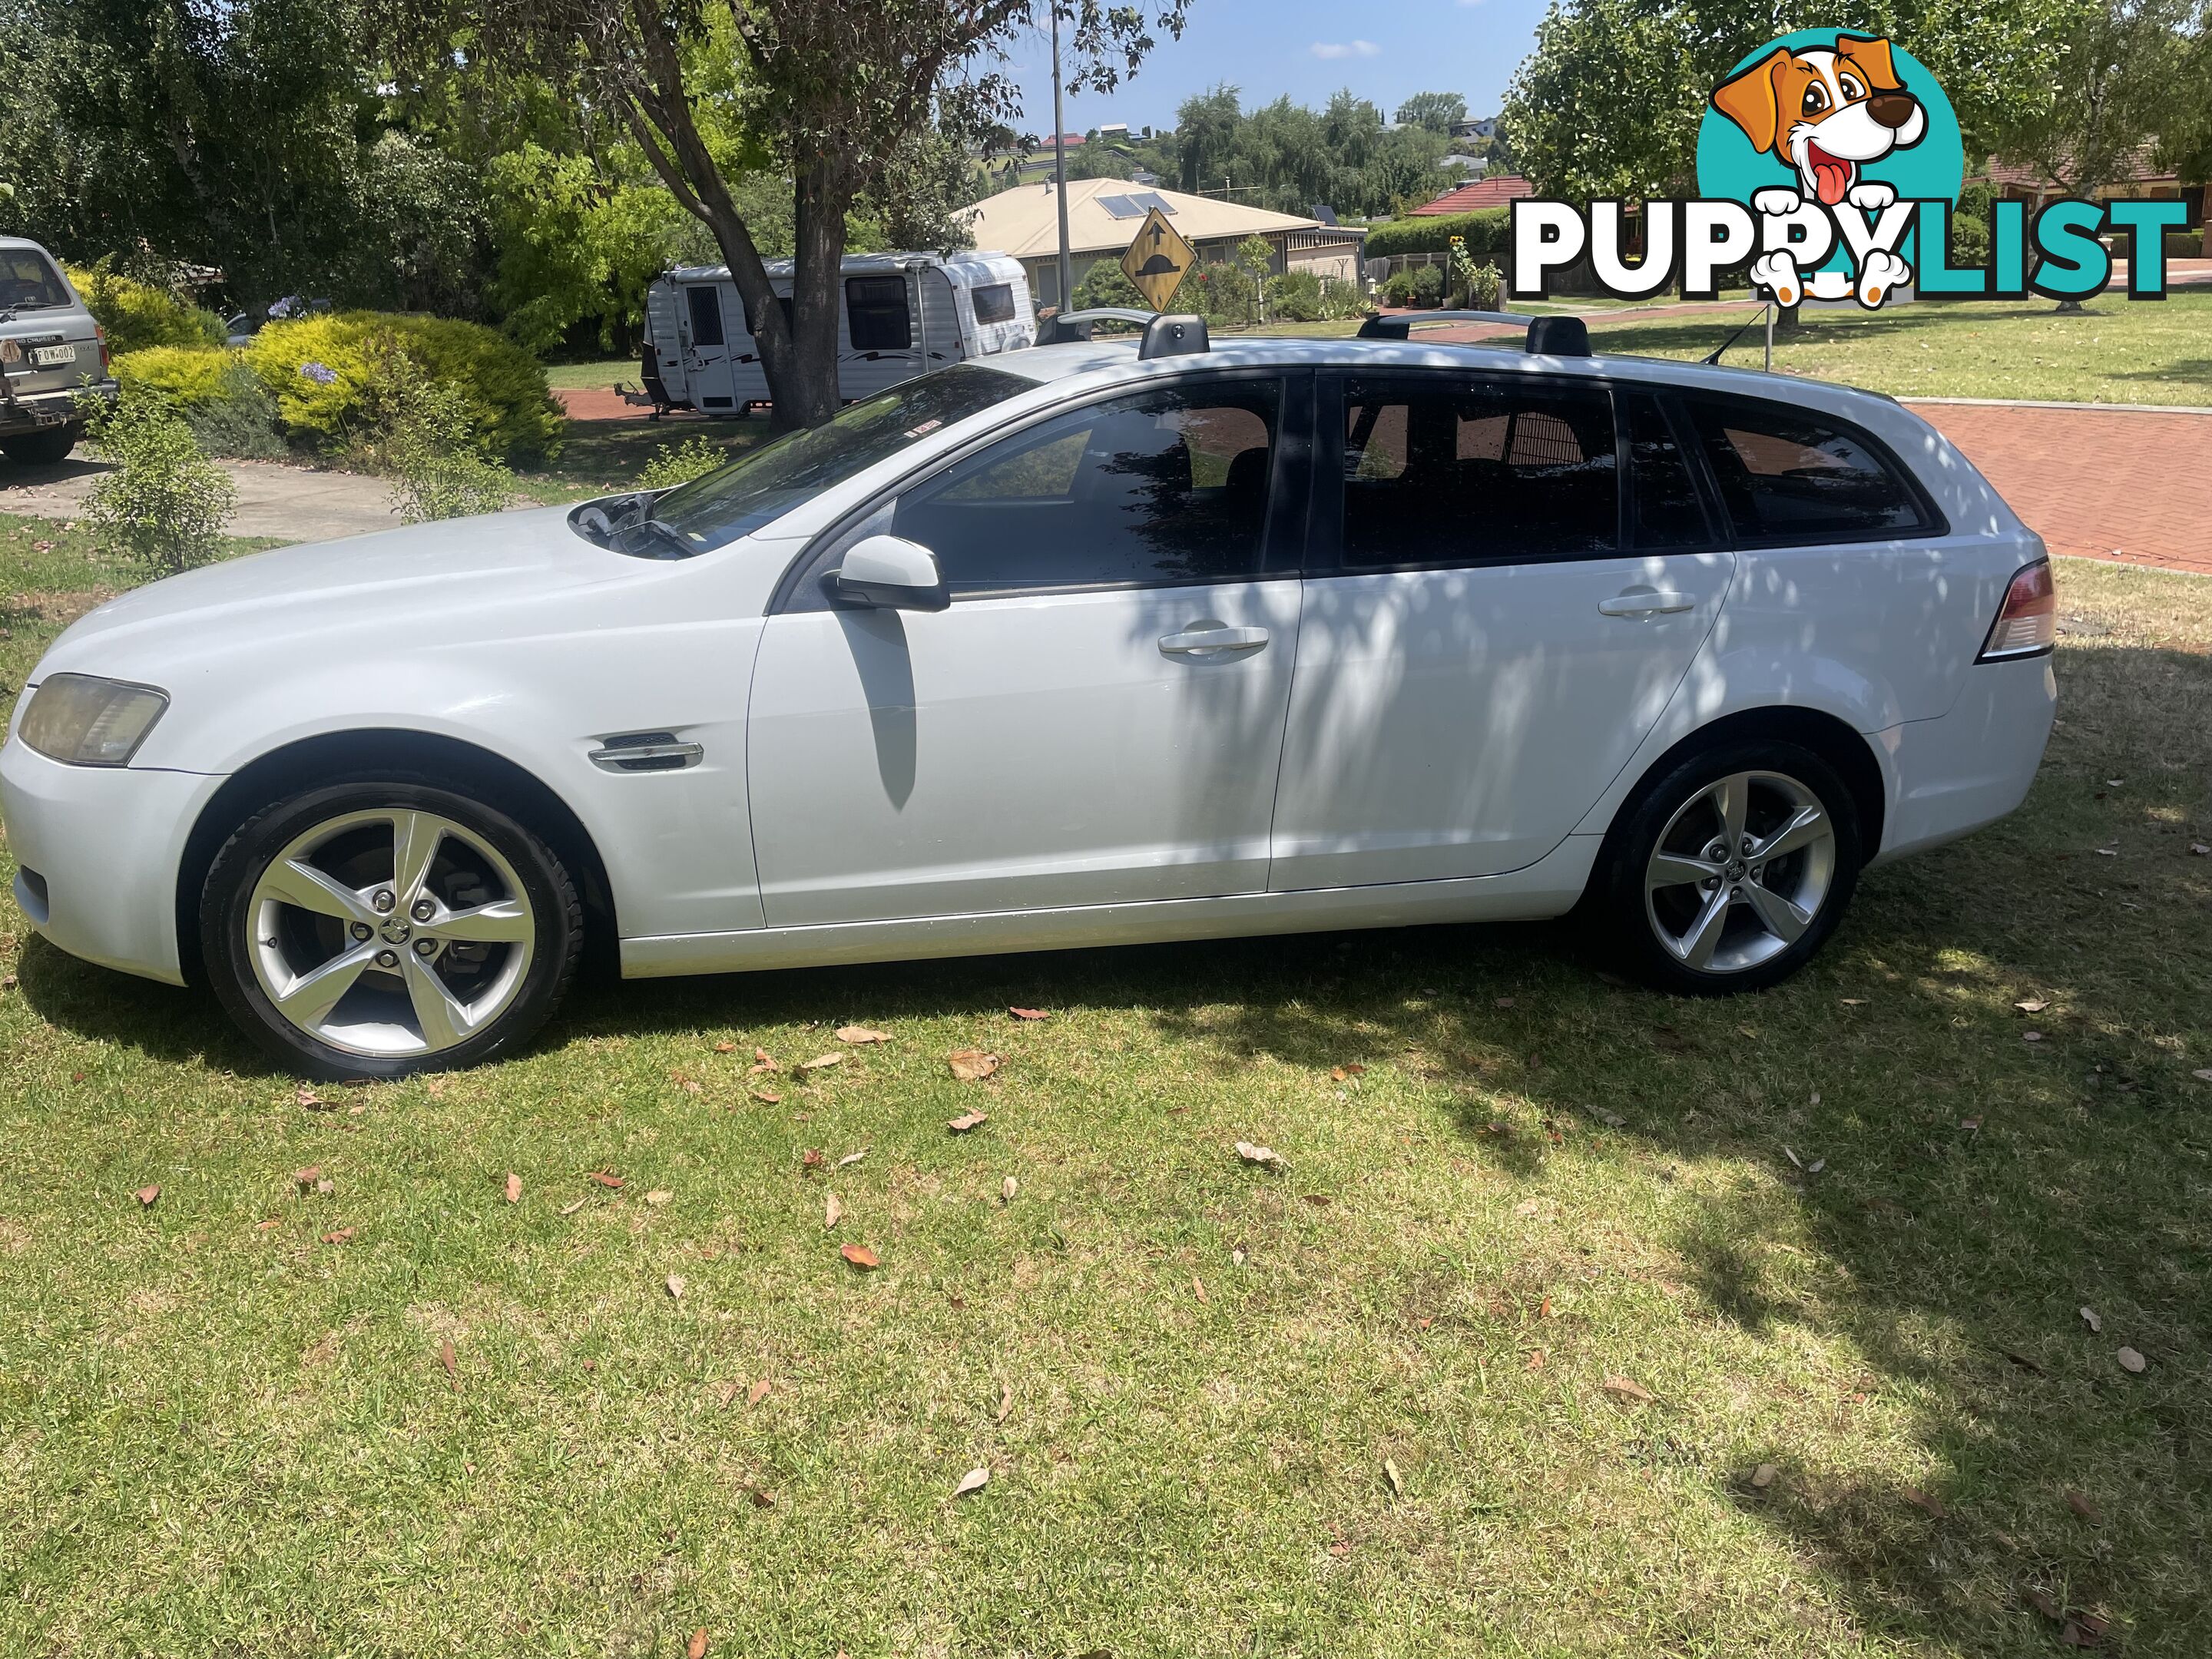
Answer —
1157 260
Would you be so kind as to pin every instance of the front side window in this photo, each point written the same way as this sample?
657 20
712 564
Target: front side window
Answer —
1786 477
876 315
995 303
1439 469
29 283
706 316
1163 486
769 481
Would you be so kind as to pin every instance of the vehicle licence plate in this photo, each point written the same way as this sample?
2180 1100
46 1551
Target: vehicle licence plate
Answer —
52 356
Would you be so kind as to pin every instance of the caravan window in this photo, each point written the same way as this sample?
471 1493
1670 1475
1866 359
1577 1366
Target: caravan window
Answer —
996 304
876 308
706 316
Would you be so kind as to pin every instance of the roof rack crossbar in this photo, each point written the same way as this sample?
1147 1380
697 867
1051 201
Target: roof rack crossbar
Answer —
1076 324
1548 336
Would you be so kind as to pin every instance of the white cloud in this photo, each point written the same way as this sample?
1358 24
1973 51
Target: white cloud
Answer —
1345 49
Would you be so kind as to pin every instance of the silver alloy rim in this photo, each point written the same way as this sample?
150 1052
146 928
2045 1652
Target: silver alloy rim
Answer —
391 933
1740 872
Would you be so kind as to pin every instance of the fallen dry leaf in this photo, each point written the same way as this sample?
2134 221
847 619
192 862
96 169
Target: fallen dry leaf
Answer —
1029 1013
1537 1358
762 1062
2093 1320
339 1236
1319 1200
1928 1502
1504 1002
757 1393
861 1034
2132 1361
767 1098
1008 1188
832 1213
1397 1481
2200 849
852 1157
2043 1602
453 1370
812 1159
1622 1389
859 1255
263 1226
967 1121
571 1209
2030 1036
1237 1256
313 1101
514 1188
2083 1631
696 1647
1763 1476
2032 1005
601 1178
146 1196
971 1065
820 1062
1197 1285
974 1480
659 1197
2202 1076
675 1283
1339 1546
1266 1157
2080 1504
305 1179
763 1498
1006 1403
726 1048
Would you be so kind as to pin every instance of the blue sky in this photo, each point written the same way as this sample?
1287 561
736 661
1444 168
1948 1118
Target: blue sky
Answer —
1308 49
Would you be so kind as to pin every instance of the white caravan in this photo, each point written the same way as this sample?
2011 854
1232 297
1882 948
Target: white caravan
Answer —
903 314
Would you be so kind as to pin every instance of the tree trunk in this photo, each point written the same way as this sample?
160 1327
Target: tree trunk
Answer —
810 387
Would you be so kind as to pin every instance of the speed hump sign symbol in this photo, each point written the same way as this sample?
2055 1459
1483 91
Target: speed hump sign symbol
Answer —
1157 260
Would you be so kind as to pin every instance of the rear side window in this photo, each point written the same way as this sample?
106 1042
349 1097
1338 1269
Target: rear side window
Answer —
1786 477
27 282
996 304
1442 471
1664 501
706 316
1165 486
875 309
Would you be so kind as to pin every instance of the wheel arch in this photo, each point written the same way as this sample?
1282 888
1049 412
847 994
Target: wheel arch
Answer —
309 761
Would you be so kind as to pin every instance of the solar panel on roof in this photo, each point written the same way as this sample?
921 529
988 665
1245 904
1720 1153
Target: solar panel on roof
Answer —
1122 207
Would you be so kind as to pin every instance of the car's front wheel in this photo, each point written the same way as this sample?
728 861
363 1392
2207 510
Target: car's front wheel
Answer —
1733 868
375 927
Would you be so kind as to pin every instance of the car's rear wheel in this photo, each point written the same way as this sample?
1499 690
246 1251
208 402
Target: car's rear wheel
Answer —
1732 869
375 927
44 448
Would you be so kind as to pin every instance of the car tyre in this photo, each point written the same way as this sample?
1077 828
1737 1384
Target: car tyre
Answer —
43 448
377 926
1727 872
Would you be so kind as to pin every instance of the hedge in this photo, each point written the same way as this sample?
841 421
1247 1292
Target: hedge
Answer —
325 373
1486 230
136 315
188 379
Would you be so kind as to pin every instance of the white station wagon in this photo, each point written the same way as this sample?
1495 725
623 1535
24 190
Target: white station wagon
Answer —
1102 643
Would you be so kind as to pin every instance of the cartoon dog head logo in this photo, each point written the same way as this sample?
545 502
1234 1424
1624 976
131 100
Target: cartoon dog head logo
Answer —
1828 112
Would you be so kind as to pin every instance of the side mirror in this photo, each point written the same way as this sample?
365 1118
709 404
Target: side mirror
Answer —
894 572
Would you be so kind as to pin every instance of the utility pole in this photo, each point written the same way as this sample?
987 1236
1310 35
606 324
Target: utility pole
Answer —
1060 165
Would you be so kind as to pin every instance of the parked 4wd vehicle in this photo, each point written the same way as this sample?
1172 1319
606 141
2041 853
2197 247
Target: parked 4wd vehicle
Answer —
53 354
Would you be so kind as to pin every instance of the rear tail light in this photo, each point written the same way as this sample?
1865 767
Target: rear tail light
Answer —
2028 621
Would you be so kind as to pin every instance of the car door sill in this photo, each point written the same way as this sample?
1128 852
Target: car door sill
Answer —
1546 888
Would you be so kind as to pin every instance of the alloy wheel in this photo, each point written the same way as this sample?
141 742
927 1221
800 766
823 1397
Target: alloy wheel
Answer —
392 933
1740 872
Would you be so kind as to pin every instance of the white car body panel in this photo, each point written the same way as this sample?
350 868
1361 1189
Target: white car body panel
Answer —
1377 762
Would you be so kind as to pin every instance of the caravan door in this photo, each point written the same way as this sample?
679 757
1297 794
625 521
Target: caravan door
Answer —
706 348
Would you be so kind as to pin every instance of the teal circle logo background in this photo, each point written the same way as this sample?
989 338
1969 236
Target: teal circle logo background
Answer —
1729 169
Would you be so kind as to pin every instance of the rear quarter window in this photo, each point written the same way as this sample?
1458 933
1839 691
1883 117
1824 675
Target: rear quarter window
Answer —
28 281
1787 477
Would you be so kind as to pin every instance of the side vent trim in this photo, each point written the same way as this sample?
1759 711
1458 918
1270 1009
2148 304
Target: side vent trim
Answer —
646 751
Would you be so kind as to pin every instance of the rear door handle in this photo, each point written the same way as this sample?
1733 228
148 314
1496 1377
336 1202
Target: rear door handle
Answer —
1645 602
1212 642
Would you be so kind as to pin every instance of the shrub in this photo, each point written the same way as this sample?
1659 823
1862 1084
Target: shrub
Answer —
165 505
136 315
424 435
1485 231
1224 294
1970 240
327 372
1296 297
186 378
1485 282
241 419
1340 298
1428 285
1106 284
1398 289
675 463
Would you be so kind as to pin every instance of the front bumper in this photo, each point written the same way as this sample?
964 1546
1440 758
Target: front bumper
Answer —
37 412
102 846
1951 775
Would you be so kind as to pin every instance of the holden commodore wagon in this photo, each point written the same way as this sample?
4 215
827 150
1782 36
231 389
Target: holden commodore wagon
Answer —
1104 643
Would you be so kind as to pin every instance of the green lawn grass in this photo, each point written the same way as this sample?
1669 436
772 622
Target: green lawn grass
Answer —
1842 1228
597 375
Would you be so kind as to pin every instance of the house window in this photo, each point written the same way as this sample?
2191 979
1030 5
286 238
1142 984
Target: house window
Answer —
875 308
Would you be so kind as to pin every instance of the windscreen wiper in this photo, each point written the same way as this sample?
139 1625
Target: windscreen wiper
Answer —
680 545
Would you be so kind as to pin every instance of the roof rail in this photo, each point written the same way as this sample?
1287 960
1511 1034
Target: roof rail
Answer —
1550 337
1076 324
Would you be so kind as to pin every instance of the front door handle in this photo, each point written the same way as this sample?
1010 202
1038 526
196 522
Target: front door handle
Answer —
1645 602
1212 642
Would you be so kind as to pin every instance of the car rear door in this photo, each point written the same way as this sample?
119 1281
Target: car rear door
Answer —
1498 607
1096 718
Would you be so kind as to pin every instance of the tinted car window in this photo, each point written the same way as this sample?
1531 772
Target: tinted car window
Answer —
1787 477
1438 469
995 303
706 316
876 315
27 282
1170 485
1664 501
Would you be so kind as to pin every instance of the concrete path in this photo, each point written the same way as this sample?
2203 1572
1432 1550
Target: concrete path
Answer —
290 503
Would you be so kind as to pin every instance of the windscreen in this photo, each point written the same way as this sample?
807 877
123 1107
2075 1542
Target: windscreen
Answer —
718 509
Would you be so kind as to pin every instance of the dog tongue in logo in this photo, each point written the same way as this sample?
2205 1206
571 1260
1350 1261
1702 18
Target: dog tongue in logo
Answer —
1832 174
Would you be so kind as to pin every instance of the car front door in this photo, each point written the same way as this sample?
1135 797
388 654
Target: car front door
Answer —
1097 718
1492 622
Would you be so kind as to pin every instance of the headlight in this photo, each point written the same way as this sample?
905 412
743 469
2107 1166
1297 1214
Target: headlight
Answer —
88 722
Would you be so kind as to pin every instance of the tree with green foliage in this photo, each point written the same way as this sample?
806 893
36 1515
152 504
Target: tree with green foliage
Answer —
1288 157
1437 111
165 505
